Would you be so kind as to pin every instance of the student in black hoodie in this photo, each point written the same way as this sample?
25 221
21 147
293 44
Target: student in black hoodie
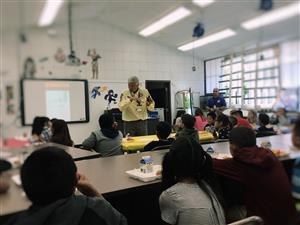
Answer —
188 129
107 140
163 130
49 178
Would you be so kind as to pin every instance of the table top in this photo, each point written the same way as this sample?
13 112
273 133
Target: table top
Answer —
278 142
109 177
15 200
76 153
138 143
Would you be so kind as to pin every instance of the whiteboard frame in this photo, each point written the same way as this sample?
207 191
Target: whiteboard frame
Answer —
86 97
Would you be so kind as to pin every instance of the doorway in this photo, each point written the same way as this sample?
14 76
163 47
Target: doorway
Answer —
161 94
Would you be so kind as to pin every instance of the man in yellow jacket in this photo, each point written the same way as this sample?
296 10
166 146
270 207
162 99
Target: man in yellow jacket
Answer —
135 104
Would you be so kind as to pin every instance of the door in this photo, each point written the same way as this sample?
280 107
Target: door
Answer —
161 94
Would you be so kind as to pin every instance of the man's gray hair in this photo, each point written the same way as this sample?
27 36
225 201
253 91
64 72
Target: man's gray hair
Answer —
133 79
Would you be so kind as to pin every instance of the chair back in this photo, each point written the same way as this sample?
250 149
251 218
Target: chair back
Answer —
252 220
163 147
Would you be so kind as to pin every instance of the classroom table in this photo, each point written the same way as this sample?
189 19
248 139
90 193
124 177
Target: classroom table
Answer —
76 153
15 200
278 142
138 143
109 177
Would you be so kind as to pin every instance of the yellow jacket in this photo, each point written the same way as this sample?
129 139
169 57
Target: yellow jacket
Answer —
131 110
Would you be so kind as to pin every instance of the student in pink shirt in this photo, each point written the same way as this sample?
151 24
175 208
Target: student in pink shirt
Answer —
200 120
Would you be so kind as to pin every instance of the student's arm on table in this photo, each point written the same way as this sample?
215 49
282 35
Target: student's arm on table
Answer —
90 142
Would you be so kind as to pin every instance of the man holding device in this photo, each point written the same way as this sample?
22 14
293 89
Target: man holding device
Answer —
135 104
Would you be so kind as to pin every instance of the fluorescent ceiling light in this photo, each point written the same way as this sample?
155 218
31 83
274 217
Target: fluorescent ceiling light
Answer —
49 12
203 3
168 20
208 39
274 16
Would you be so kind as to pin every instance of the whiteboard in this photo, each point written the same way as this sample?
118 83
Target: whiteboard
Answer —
54 98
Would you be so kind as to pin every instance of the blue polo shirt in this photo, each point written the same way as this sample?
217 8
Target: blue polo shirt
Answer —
216 101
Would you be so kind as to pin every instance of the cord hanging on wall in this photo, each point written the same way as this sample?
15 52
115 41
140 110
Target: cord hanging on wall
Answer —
72 59
198 32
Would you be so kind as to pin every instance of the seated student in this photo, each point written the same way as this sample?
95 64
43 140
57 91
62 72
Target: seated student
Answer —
296 169
49 178
265 127
281 118
267 188
200 120
188 130
210 126
60 133
107 140
41 129
4 166
222 126
241 122
190 196
252 118
233 122
163 130
177 123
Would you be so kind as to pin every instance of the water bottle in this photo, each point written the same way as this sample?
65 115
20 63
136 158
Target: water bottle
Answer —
146 164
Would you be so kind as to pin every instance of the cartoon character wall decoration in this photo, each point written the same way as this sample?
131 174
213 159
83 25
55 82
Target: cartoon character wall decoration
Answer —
96 91
60 56
95 66
29 68
111 97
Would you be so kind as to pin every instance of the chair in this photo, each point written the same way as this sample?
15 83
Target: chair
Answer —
163 147
252 220
265 133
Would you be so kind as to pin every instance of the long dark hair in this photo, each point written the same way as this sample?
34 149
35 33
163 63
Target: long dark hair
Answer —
61 134
187 159
38 124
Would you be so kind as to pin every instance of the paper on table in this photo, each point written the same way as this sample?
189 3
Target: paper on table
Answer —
17 179
146 177
144 140
222 156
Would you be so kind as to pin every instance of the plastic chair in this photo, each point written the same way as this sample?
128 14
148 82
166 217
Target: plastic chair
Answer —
265 133
252 220
163 147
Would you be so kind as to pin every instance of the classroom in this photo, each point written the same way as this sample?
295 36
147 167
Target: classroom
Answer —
150 112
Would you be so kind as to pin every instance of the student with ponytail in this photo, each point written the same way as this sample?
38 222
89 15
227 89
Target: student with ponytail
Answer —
190 195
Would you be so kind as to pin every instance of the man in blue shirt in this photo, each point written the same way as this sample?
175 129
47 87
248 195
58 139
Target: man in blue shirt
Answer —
217 102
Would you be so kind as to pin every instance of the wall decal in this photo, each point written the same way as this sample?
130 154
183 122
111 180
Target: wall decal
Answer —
111 97
29 68
10 107
95 66
96 91
60 56
43 59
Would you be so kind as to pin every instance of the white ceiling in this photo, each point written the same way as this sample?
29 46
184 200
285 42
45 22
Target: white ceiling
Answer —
133 15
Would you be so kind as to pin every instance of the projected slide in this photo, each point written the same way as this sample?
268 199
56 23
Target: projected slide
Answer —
58 104
60 99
